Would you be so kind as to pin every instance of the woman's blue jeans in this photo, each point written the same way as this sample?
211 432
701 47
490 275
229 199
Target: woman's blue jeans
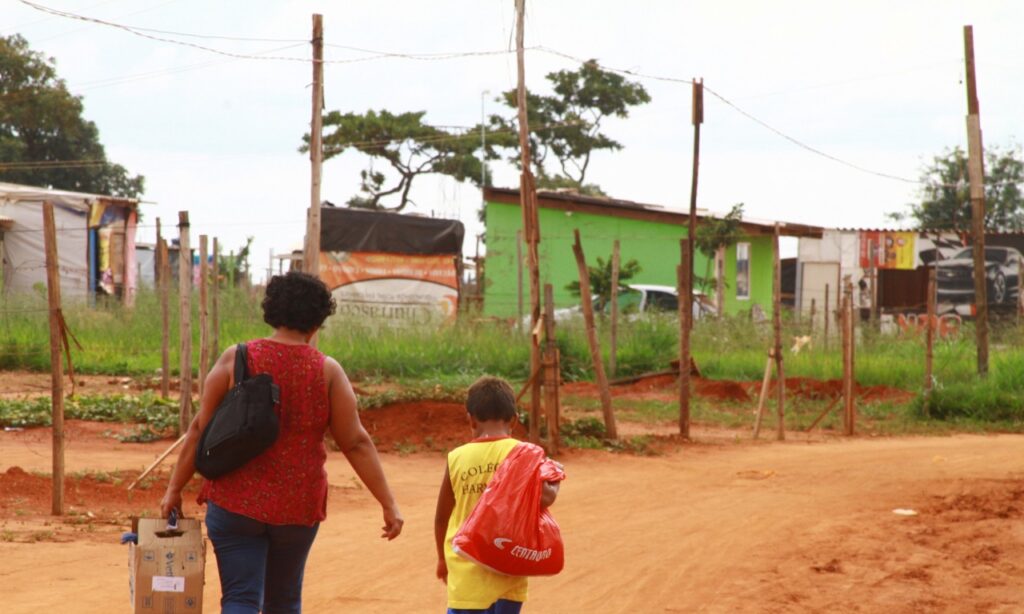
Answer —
261 565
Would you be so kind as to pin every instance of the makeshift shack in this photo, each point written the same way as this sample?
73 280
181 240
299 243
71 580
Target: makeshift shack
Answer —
388 268
95 241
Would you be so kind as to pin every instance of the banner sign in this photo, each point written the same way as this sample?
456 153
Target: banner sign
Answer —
888 250
393 289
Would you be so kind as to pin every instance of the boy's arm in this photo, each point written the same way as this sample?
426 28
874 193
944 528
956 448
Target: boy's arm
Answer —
445 505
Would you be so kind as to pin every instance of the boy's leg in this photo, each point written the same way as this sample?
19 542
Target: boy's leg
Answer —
240 544
286 563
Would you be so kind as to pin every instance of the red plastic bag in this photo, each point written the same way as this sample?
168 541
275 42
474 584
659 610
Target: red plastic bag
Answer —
508 532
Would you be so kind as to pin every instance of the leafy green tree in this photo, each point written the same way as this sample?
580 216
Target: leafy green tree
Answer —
714 233
565 127
41 122
945 194
601 278
410 147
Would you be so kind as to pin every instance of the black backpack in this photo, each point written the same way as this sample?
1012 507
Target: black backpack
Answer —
244 424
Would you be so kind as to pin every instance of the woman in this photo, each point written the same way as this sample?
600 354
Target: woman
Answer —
262 518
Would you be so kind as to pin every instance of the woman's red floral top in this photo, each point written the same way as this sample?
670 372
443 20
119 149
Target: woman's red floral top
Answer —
287 484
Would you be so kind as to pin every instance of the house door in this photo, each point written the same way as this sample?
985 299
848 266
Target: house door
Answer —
816 276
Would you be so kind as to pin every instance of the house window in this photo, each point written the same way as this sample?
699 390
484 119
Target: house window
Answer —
743 271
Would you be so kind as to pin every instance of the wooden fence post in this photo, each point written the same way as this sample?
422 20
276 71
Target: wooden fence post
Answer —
685 311
614 342
765 383
56 366
165 318
185 324
827 315
811 327
204 323
595 348
551 372
849 342
215 303
780 375
929 342
519 278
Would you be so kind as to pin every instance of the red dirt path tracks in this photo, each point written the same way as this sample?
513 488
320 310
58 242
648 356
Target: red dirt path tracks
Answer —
769 527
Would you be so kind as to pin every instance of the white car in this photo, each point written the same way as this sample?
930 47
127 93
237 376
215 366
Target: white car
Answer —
636 299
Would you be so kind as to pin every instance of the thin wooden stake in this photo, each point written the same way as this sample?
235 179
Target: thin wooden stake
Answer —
614 349
157 462
976 175
780 373
56 366
185 324
595 348
824 413
765 383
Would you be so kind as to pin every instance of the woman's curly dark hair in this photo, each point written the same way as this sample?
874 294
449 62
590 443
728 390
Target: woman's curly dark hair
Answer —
297 301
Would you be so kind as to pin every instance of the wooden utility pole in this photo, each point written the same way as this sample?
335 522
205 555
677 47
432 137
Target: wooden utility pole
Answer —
215 303
685 311
311 255
185 323
976 174
595 349
531 229
780 376
204 323
56 366
614 349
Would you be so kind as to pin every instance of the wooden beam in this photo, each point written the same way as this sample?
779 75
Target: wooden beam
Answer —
595 349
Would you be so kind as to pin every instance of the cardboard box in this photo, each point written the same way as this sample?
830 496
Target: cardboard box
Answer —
166 568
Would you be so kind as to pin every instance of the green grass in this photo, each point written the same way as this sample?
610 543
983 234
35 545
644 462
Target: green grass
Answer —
149 409
440 362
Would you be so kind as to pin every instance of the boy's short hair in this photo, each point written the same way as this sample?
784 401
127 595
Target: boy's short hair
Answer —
491 398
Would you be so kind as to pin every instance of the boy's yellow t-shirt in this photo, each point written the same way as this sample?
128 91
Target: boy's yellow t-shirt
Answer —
470 586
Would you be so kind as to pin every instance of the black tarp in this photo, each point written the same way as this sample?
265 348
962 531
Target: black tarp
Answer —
355 230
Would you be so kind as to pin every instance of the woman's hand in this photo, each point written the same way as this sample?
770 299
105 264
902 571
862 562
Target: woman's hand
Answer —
171 501
442 570
393 522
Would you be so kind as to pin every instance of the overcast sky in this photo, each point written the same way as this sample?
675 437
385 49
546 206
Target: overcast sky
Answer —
878 84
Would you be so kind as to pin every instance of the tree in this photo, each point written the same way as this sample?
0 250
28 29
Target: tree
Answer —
714 233
601 278
566 126
411 147
945 193
41 123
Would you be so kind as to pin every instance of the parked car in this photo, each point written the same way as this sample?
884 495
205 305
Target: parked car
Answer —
636 299
955 277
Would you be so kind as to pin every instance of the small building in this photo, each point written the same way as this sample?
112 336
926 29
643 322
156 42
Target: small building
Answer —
899 260
95 241
649 234
389 268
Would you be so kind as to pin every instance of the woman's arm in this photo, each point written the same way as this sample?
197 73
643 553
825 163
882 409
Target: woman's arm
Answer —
355 443
445 505
217 384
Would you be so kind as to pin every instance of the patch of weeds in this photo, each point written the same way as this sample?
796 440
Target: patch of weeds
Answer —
7 536
41 536
640 445
404 448
588 433
143 434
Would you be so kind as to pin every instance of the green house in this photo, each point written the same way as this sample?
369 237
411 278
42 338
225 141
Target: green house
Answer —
650 234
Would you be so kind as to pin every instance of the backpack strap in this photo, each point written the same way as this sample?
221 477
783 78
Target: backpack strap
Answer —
241 363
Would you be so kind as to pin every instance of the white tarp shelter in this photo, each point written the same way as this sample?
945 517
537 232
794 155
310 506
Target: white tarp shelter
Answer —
95 241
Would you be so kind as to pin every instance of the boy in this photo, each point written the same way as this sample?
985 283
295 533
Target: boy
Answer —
491 406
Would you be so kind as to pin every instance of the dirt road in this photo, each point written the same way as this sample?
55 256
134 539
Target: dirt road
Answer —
792 527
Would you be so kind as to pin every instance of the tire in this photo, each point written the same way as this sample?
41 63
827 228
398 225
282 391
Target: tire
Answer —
998 294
